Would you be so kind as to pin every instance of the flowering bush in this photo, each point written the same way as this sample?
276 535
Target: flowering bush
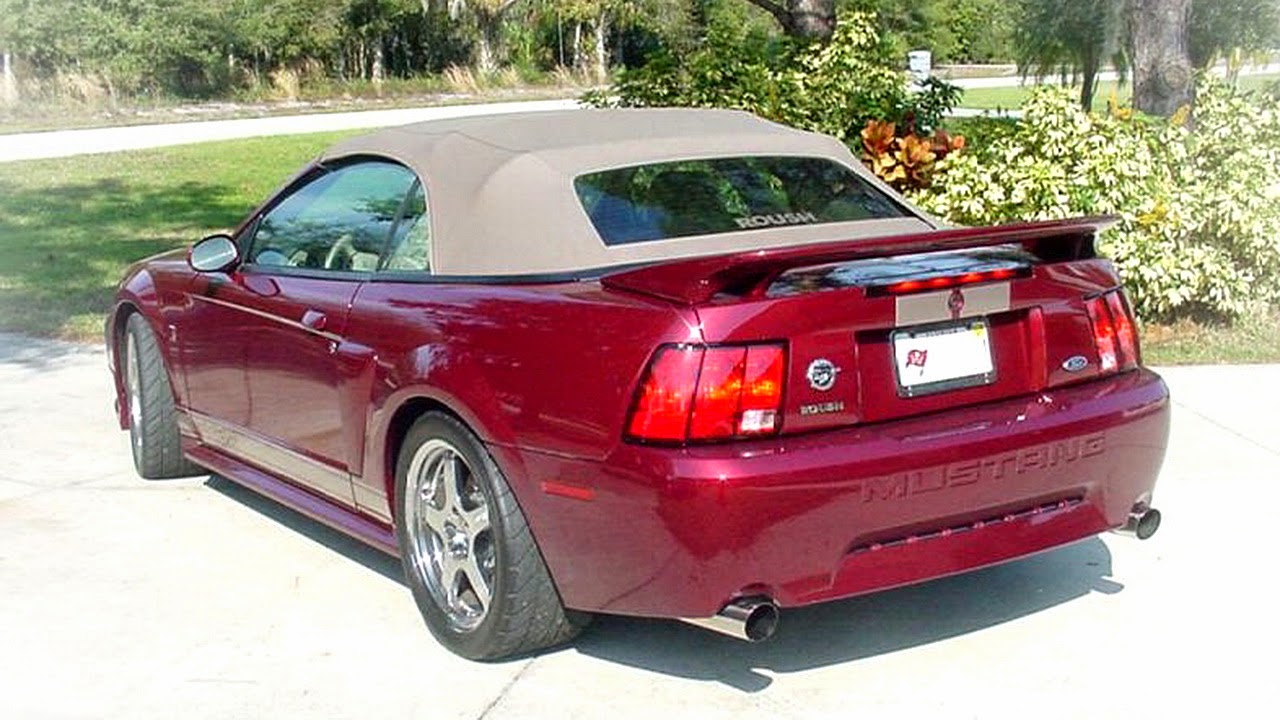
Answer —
905 161
1199 203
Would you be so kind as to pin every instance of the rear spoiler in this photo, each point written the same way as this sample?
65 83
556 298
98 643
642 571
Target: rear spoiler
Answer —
698 279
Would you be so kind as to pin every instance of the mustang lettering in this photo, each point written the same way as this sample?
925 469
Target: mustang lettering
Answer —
968 472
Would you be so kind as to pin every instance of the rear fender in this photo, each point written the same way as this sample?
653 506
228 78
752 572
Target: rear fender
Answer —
420 378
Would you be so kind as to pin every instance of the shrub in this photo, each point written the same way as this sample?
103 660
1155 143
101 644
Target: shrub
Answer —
834 88
905 160
1199 205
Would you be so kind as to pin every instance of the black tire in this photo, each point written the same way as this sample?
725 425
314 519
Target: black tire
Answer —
153 422
524 612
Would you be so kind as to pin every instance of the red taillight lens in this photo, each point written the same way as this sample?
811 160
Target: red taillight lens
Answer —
1114 334
710 393
715 412
666 395
762 390
1126 334
1104 333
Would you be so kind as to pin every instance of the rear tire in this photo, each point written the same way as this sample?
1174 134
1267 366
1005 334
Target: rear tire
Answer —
153 420
469 558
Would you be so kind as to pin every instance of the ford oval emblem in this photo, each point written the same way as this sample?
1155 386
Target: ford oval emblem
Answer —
822 374
1075 363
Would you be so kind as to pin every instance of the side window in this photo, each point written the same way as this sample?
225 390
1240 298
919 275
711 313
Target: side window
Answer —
410 247
339 221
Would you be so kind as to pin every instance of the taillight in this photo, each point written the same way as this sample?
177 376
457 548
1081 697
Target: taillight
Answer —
1126 333
662 406
1104 333
1114 335
694 392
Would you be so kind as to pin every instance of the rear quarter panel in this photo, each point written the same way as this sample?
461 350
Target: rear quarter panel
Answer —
547 368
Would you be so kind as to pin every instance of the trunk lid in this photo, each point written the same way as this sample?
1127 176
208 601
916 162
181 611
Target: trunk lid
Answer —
894 327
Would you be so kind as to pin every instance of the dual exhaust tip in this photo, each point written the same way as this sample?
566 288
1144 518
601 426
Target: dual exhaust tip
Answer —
1142 523
755 619
751 619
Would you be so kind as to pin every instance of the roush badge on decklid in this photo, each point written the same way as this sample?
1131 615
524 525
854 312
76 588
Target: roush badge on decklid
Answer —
822 374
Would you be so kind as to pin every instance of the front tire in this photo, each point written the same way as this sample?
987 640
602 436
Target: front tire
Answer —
153 419
469 558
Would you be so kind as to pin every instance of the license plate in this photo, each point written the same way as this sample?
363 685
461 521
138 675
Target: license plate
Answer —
943 358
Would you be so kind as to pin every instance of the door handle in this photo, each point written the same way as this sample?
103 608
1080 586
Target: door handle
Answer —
314 319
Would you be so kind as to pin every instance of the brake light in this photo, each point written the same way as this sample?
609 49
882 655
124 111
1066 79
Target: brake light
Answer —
1104 333
1114 335
950 281
1126 333
666 396
719 393
693 392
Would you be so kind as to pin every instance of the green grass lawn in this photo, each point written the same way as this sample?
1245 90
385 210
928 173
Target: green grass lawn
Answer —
1252 339
1011 98
69 227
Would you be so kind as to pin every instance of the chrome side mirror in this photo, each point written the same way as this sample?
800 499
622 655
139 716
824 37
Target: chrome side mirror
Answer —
213 254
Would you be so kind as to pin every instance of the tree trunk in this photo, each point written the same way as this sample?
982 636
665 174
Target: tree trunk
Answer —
1162 77
487 60
560 36
489 18
1088 80
577 47
602 48
805 19
9 88
377 73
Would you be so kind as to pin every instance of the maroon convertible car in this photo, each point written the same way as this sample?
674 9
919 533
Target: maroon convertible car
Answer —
669 363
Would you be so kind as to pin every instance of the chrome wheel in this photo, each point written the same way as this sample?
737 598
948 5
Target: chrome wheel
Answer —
450 536
133 386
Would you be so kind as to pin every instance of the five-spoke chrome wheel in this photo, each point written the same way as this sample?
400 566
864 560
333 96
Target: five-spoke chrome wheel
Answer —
451 538
469 556
133 389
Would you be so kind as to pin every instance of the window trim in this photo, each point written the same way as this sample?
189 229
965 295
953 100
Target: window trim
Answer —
385 255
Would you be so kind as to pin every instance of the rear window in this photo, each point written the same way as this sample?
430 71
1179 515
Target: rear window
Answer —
720 195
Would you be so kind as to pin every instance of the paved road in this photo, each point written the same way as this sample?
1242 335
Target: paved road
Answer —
1105 75
65 143
121 598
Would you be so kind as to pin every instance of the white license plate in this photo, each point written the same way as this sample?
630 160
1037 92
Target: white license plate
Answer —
943 358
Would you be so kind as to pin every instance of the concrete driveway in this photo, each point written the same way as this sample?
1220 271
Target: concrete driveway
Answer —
121 598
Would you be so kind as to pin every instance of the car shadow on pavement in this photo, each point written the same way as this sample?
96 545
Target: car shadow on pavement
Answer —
812 637
867 626
375 560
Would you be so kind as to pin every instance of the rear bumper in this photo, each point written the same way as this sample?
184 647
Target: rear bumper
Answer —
680 532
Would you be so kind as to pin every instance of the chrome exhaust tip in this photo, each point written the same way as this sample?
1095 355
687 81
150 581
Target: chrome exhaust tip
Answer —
750 619
1143 522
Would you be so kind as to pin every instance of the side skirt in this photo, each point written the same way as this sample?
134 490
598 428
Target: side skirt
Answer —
368 531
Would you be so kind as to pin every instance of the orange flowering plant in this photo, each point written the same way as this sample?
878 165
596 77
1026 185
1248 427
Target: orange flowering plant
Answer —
906 161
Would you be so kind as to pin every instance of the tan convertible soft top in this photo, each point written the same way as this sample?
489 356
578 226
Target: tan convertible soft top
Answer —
501 196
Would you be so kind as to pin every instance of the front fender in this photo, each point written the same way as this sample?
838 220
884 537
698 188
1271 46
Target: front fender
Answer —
151 287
